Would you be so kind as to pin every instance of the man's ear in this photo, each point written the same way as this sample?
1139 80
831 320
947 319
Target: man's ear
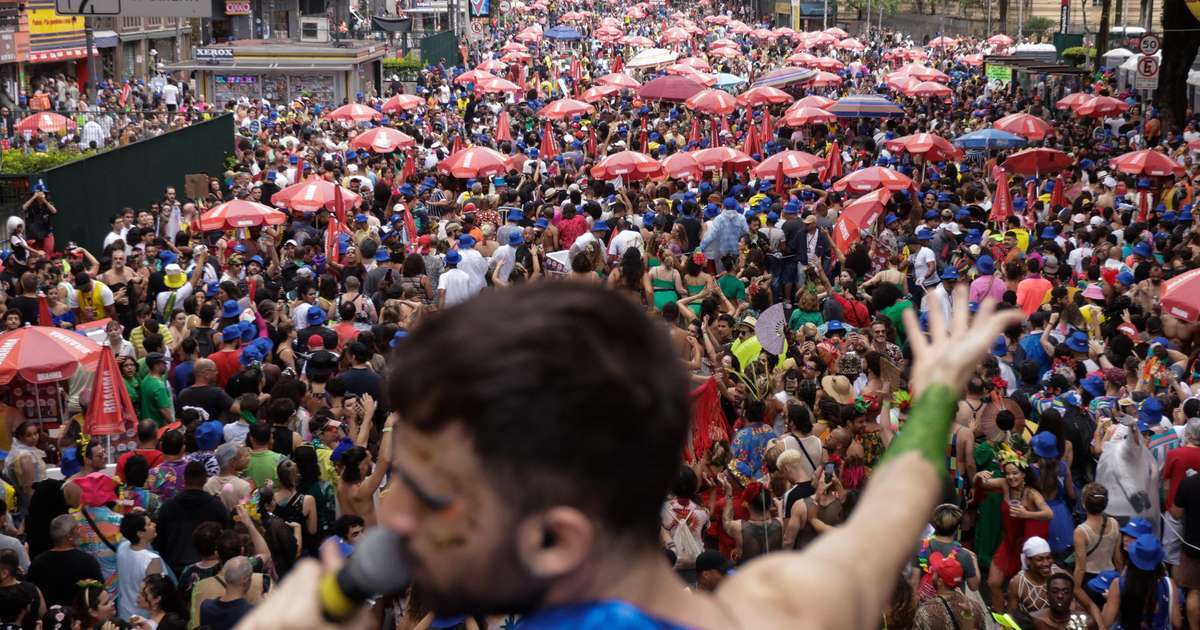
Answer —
554 542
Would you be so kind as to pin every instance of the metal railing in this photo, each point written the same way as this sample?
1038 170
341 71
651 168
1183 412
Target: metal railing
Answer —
49 129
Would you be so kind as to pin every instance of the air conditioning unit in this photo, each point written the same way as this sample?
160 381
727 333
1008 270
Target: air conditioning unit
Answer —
314 29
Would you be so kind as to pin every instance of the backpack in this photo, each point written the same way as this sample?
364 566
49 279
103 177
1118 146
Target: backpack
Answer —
686 545
204 341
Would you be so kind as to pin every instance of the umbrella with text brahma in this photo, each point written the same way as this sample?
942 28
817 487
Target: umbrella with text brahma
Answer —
402 103
763 95
712 101
1100 106
1181 296
619 79
932 146
46 122
382 140
804 116
1037 161
473 76
313 194
1071 101
597 93
474 162
240 213
110 410
670 88
496 85
795 164
629 166
1147 162
717 158
43 354
354 112
1024 125
872 178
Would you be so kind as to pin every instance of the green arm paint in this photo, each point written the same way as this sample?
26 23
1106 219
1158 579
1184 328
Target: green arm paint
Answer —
927 427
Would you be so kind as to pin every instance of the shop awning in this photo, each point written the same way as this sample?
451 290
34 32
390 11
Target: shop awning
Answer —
105 39
260 66
391 24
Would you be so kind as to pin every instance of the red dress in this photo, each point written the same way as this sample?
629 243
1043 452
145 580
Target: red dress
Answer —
1015 531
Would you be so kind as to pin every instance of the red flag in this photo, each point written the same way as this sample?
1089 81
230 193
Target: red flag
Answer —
45 318
591 142
126 90
110 410
694 137
410 166
457 145
503 127
549 146
751 146
618 62
1001 201
768 129
1030 198
716 133
339 204
845 233
780 184
833 162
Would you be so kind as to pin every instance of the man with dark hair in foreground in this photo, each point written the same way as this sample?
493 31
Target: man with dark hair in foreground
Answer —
533 483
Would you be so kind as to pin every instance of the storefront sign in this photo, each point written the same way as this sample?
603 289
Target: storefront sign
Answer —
214 53
237 7
54 37
1003 74
48 22
8 47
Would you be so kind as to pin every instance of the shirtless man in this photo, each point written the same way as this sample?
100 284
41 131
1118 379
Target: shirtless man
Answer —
357 486
1063 608
124 281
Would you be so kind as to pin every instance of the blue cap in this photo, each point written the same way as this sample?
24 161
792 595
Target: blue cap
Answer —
1137 527
466 241
343 445
516 238
1000 347
949 273
516 215
1146 553
407 190
648 217
1093 385
890 219
453 257
705 188
168 257
1103 580
382 255
69 465
1048 186
985 265
542 223
258 259
834 326
1048 233
772 216
1149 414
600 226
791 208
240 248
315 316
209 435
210 289
360 218
924 234
1168 217
1018 203
1045 445
711 211
230 309
1077 341
1126 278
931 214
962 213
1142 249
731 204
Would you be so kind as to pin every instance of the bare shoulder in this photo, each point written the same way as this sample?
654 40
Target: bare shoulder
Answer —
790 590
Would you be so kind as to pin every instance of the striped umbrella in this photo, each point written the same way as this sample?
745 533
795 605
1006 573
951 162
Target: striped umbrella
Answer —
865 106
990 138
785 76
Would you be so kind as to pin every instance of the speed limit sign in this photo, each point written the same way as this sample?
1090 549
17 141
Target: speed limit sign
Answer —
1149 44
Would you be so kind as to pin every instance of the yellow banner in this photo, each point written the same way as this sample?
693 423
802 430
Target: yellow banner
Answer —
49 22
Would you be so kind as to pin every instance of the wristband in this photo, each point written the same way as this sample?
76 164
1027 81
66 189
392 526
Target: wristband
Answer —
927 427
386 430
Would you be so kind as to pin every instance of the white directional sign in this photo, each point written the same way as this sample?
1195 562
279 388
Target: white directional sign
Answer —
144 8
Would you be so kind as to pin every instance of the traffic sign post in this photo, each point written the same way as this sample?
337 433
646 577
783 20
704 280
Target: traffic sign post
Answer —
1147 74
1149 45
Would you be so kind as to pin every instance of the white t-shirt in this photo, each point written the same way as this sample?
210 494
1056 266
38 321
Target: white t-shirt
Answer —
921 261
457 285
181 294
170 94
504 258
475 266
106 296
623 241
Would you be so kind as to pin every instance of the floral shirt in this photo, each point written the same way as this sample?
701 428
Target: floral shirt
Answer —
166 479
750 443
92 541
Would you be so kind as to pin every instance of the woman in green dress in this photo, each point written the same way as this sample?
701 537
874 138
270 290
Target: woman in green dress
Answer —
663 281
695 279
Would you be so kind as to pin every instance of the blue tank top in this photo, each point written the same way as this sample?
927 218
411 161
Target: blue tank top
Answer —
607 615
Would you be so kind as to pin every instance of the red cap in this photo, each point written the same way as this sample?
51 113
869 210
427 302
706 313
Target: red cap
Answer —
315 342
947 569
470 207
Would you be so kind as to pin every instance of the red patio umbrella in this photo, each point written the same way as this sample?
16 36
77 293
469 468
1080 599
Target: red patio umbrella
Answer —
717 158
1181 296
670 88
44 354
1147 162
826 79
681 166
474 162
354 112
804 116
496 85
763 95
794 163
628 165
768 127
564 108
866 210
1002 206
619 79
311 195
503 127
1024 125
845 234
694 135
240 213
549 144
1071 101
110 410
813 100
929 89
872 178
598 93
591 141
1100 106
1058 196
47 122
402 103
473 76
1037 161
833 158
933 147
712 102
382 140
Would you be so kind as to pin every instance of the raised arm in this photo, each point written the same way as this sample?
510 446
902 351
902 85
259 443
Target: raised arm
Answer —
854 580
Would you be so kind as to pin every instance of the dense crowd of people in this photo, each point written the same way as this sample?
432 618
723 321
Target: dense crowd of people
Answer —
257 358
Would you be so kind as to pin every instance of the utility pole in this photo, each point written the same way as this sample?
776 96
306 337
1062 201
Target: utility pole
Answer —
989 18
825 15
1020 20
90 43
867 33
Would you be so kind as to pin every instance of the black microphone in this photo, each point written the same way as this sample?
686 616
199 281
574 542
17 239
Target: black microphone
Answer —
375 568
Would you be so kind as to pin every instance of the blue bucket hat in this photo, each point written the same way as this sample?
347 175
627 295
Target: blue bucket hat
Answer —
1102 581
711 211
1048 233
516 215
985 265
314 316
230 309
1000 347
249 330
453 257
466 241
360 218
382 255
834 326
69 465
516 238
1168 218
542 223
1126 278
1137 527
1077 341
924 234
407 190
210 289
168 257
209 435
1142 249
1146 553
1045 445
1093 385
